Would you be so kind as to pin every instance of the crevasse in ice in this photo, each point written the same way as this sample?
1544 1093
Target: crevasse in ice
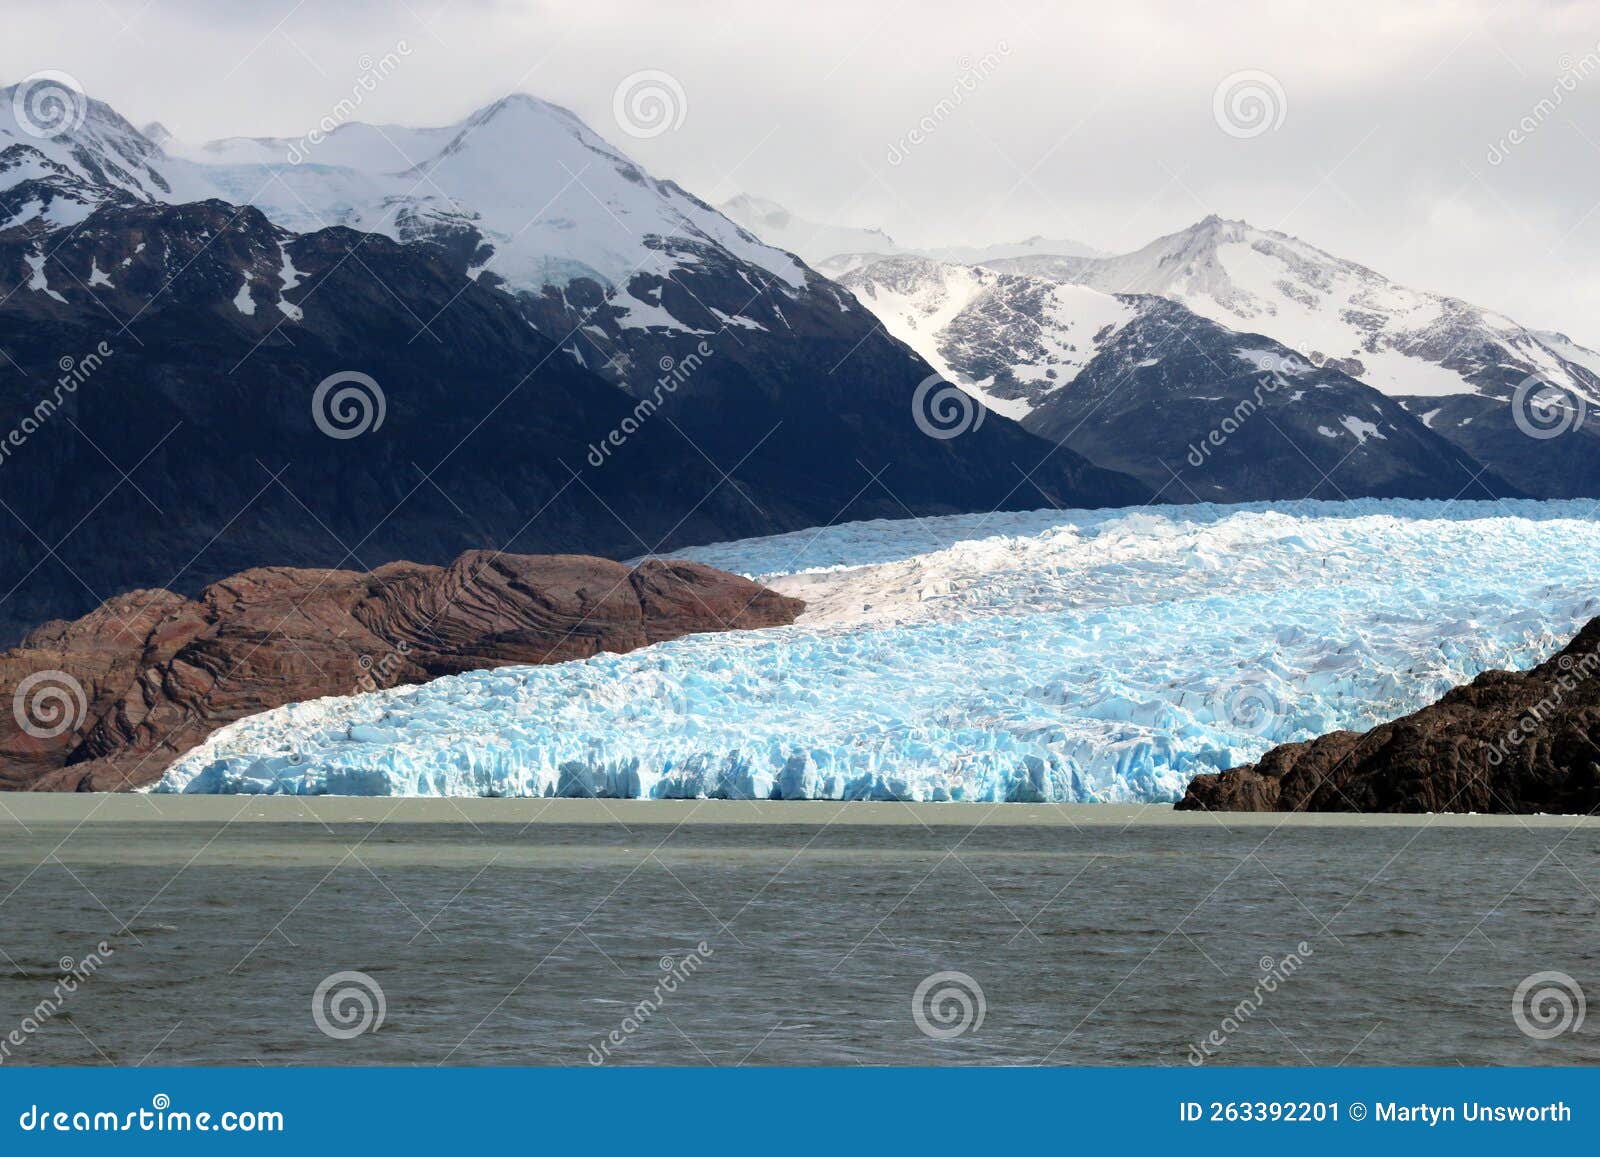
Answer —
1052 655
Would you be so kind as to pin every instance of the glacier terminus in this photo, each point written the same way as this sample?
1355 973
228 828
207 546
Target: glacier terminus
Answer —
1045 656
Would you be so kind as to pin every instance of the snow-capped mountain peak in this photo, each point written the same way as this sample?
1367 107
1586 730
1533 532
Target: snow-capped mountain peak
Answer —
1139 380
550 199
840 249
158 135
88 136
545 198
1405 342
813 241
1006 338
62 154
1243 269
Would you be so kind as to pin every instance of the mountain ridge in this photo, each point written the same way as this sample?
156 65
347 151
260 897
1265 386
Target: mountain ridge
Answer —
838 249
1139 382
783 406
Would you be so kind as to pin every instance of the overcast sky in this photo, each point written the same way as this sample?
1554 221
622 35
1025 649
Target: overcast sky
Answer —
1089 120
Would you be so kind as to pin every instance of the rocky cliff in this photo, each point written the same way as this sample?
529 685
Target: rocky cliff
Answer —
104 702
1508 742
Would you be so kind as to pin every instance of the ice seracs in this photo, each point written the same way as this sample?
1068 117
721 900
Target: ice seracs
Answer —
1055 655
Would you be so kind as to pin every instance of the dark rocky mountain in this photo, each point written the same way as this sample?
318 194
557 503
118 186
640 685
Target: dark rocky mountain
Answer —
1204 413
161 389
1479 379
106 702
1508 742
813 369
63 155
1543 439
1139 383
726 393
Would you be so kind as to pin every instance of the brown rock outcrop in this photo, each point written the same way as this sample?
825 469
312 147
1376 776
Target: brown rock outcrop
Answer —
105 702
1507 742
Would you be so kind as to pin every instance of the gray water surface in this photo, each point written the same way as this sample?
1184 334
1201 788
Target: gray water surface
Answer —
530 943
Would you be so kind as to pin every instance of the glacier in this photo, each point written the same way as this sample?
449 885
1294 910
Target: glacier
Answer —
1047 656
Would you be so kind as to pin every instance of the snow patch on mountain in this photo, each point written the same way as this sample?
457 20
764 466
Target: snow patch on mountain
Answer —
288 278
1272 361
1564 348
916 300
1404 342
810 240
975 325
836 250
38 281
551 200
103 157
1362 429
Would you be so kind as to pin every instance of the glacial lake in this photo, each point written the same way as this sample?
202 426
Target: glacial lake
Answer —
530 931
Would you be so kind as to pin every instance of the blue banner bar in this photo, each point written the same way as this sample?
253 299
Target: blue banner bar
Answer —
829 1111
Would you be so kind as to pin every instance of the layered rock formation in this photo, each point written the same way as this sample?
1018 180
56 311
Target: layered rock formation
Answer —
1507 742
105 702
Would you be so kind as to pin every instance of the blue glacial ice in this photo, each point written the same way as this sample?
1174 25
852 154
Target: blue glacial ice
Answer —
1052 655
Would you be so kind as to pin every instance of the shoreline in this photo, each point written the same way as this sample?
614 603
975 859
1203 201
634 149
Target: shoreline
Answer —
25 809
